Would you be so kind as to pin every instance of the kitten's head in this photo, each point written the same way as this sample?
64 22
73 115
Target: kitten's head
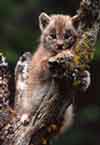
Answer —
59 32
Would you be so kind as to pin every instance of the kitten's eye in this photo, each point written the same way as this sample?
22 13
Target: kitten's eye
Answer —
53 35
67 34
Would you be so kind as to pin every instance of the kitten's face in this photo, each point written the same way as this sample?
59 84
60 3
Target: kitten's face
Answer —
58 32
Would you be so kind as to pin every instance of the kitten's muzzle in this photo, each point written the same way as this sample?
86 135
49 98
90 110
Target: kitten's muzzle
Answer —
60 45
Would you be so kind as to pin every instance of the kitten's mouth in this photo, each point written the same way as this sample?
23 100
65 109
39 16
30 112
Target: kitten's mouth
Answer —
66 46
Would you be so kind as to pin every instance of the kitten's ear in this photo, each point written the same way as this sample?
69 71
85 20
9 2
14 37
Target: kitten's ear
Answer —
76 21
43 20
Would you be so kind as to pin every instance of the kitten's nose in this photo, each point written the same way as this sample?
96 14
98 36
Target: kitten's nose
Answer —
60 45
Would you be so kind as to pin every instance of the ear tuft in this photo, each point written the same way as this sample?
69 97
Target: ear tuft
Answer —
43 20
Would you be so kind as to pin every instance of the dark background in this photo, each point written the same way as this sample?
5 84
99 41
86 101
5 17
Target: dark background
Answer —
19 32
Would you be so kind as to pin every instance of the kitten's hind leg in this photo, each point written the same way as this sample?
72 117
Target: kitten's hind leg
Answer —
21 75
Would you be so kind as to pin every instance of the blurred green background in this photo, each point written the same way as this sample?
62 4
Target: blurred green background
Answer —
19 32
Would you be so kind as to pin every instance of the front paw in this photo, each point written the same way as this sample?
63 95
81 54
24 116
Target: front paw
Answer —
85 80
60 64
82 80
56 66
